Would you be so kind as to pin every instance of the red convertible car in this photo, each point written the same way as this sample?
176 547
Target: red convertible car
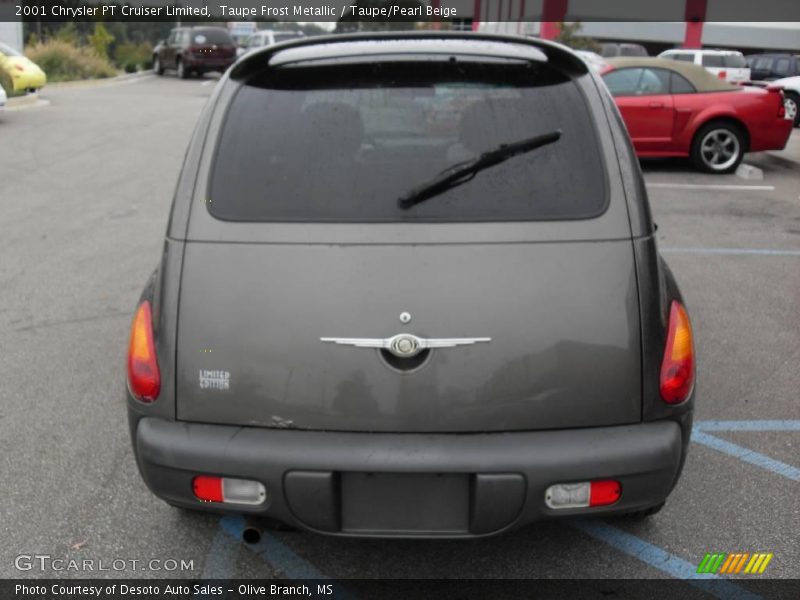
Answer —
679 109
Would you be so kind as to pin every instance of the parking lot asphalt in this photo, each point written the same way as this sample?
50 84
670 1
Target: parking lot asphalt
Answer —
85 190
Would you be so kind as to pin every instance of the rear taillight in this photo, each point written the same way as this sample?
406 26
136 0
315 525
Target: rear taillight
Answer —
722 74
677 368
208 488
585 494
144 379
19 67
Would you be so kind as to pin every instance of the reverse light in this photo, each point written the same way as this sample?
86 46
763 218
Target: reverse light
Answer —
144 378
228 490
584 494
677 368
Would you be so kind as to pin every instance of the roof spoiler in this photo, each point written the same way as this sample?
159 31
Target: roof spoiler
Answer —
559 56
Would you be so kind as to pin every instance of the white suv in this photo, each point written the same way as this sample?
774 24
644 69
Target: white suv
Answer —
729 65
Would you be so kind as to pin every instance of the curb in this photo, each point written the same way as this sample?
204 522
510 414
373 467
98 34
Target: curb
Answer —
99 82
22 101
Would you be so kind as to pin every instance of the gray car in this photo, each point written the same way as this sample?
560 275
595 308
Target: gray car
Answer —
410 287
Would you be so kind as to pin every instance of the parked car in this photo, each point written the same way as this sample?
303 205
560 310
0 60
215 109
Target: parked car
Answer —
773 66
364 326
791 93
673 108
195 50
609 50
729 65
268 37
23 72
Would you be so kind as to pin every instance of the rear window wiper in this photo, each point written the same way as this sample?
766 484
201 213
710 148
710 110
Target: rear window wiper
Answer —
465 171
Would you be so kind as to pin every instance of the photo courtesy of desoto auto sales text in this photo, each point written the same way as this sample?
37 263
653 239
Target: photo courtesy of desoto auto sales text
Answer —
399 299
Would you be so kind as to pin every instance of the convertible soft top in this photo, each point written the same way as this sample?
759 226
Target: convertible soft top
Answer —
699 77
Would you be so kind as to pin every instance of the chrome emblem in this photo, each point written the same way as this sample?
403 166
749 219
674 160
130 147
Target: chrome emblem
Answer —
405 317
405 345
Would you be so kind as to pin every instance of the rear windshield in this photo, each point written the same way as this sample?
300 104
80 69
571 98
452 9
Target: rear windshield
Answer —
211 36
342 143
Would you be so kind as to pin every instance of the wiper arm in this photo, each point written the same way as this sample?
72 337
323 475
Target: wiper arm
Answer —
463 172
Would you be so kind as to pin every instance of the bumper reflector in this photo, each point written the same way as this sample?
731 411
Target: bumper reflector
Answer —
228 490
583 494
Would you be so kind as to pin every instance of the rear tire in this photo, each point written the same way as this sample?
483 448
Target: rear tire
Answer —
183 72
718 147
158 68
791 101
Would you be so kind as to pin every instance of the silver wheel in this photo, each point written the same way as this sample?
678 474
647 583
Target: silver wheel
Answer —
720 149
790 104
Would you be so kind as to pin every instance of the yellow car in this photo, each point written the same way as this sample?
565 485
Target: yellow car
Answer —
24 73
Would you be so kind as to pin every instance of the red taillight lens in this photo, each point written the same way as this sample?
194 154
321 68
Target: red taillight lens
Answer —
677 368
19 67
603 493
722 74
144 379
208 489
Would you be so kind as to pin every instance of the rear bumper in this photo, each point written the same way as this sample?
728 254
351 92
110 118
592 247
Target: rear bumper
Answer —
202 64
409 485
775 136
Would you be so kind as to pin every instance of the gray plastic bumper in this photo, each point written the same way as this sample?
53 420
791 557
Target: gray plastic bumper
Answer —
452 485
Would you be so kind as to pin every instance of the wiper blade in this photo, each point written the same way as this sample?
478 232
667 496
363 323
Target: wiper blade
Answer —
465 171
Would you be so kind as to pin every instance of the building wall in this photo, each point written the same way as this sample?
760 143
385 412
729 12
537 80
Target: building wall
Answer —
10 26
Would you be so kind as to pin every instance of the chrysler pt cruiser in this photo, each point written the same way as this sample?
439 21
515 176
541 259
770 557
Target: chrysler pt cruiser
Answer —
410 287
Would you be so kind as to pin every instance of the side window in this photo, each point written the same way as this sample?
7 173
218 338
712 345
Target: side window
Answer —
678 84
763 64
782 66
623 82
683 57
653 82
712 60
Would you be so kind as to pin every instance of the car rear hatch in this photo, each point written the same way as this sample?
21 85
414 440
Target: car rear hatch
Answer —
212 45
297 245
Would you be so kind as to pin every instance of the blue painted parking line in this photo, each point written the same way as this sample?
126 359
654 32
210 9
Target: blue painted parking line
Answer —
221 559
746 455
664 561
731 251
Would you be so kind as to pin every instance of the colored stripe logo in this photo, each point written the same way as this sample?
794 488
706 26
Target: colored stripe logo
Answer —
731 564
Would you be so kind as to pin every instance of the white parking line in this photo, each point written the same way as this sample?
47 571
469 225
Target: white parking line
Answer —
698 186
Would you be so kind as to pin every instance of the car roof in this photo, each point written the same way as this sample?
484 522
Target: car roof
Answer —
424 43
702 79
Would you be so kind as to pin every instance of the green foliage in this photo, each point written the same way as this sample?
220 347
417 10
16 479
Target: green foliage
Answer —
137 55
62 61
68 34
568 35
100 40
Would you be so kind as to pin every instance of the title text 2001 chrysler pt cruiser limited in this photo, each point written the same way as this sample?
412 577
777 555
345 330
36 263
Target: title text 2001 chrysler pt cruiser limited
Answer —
410 287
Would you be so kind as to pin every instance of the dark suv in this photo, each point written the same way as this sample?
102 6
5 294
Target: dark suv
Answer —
195 50
410 287
773 66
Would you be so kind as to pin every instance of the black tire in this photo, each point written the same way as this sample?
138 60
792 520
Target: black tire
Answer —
183 72
718 147
792 98
158 68
639 515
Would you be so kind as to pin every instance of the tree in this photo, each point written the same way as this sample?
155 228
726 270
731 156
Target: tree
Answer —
568 35
100 40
